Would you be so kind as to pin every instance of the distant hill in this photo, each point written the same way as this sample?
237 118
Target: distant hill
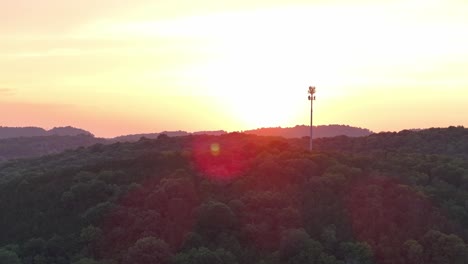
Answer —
28 147
68 131
12 132
15 132
288 132
136 137
319 131
29 142
443 141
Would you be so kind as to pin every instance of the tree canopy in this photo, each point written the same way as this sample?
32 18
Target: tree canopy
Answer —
387 198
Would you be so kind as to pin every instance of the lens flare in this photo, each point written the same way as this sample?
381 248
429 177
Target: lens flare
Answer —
215 149
218 158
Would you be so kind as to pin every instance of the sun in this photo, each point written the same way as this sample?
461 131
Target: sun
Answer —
249 96
256 112
253 75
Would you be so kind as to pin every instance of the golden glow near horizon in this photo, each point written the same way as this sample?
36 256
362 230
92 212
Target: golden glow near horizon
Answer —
119 68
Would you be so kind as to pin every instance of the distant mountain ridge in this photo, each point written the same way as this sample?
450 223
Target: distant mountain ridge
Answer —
319 131
179 133
286 132
36 146
16 132
28 142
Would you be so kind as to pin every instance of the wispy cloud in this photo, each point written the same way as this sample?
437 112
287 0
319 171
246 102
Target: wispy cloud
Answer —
6 91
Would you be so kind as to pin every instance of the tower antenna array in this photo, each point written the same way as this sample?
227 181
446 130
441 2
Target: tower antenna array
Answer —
311 99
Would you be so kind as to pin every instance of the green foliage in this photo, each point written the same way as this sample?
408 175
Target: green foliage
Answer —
8 257
357 252
148 250
35 246
214 217
85 261
203 255
297 247
90 234
443 249
413 252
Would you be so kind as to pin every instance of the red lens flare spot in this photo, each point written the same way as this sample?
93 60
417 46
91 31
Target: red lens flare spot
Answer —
215 149
218 158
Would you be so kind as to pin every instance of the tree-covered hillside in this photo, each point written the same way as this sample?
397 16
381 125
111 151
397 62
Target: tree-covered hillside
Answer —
387 198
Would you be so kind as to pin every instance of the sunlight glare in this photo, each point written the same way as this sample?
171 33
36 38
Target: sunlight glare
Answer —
215 149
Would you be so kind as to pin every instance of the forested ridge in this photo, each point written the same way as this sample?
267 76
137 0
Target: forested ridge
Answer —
16 132
30 147
30 142
319 131
235 198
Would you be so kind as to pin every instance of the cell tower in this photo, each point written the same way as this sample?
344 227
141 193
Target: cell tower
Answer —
311 99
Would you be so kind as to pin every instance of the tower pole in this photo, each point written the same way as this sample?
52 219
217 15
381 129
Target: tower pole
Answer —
311 122
311 98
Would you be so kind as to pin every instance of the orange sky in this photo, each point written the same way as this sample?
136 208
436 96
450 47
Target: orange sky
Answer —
120 67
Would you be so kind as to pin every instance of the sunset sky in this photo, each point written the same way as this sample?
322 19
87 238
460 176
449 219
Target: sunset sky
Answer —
118 67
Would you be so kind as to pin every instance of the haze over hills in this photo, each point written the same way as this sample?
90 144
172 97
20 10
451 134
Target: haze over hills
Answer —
27 142
319 131
15 132
136 137
31 142
287 132
28 147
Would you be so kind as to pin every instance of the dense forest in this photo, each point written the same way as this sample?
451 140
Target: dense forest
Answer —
387 198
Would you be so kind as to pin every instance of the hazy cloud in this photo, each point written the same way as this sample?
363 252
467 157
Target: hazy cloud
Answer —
36 114
6 91
50 16
37 106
